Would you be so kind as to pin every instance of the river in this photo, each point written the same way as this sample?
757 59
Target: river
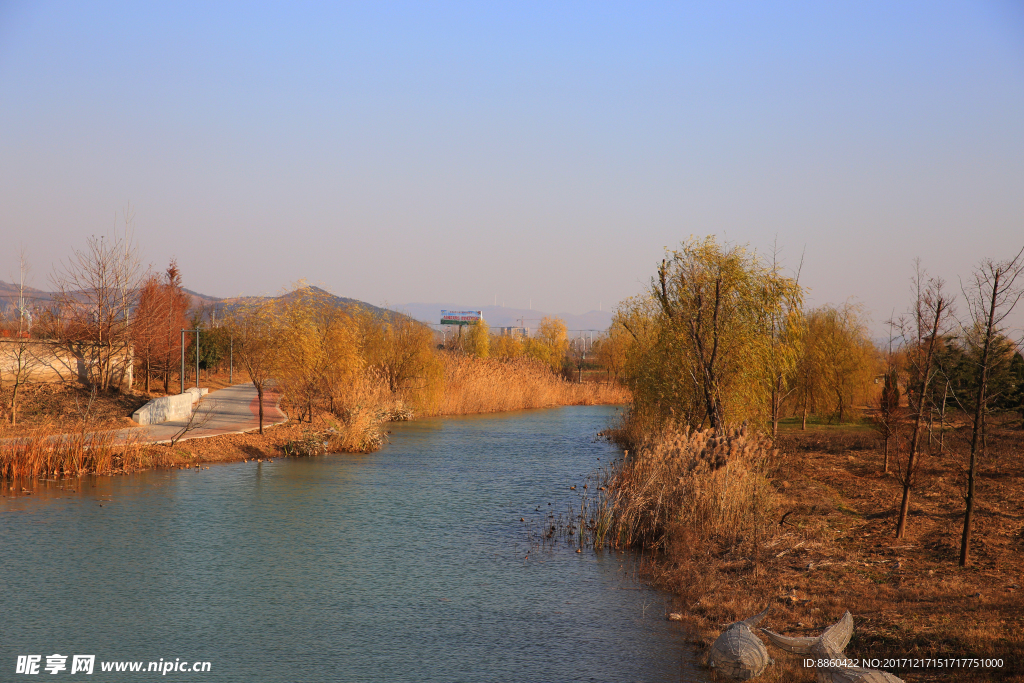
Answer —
409 564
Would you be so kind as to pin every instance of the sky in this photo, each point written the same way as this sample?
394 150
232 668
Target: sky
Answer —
523 153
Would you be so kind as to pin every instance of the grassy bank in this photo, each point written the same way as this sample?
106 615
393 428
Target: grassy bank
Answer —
809 530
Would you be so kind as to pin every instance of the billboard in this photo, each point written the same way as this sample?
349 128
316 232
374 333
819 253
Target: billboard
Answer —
461 317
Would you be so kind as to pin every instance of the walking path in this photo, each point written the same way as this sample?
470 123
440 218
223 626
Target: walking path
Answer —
232 410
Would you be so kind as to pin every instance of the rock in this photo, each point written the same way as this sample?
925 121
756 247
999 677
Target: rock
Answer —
675 616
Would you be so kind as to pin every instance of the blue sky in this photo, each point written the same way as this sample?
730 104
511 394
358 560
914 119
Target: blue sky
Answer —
399 152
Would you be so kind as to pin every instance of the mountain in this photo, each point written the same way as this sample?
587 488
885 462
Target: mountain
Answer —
219 305
500 316
211 304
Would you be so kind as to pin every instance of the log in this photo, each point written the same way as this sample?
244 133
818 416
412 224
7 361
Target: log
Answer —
828 647
738 653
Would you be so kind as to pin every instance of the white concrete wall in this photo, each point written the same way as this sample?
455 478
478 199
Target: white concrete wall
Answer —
168 408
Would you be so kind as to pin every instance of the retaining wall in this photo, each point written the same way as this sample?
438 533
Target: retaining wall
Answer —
168 408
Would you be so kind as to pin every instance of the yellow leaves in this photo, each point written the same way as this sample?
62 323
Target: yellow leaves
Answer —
478 340
838 360
507 347
550 344
714 338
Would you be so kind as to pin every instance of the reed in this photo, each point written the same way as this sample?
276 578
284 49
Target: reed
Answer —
688 487
50 452
482 385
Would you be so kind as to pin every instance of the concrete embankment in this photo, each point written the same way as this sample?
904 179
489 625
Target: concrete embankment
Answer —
168 408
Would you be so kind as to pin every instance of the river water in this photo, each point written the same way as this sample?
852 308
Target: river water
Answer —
410 564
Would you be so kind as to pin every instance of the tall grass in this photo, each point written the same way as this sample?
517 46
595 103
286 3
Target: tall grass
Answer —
50 452
481 385
688 488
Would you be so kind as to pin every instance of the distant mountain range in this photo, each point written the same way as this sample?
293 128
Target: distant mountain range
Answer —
39 297
496 316
500 316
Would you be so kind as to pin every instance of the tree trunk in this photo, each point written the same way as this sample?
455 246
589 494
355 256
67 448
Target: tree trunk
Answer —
14 404
885 459
259 394
978 427
901 526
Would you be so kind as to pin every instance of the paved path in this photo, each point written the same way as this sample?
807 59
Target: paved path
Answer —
233 410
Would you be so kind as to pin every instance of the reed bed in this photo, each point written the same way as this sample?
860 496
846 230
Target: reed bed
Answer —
49 452
477 385
689 488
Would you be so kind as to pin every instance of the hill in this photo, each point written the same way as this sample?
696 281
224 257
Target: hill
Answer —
210 304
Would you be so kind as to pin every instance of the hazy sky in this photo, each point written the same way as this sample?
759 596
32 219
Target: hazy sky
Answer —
461 151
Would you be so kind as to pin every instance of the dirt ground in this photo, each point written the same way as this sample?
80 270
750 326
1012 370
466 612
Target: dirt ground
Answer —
56 404
835 549
53 404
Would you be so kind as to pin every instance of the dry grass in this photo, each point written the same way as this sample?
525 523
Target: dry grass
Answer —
830 546
474 385
710 488
51 452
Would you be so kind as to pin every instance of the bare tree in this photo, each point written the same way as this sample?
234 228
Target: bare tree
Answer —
18 351
95 294
930 316
202 412
887 417
254 326
990 299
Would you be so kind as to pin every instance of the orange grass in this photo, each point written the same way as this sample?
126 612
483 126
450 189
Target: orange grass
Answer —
476 385
49 452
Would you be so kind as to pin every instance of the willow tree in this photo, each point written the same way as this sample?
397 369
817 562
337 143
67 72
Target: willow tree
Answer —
550 344
478 340
319 351
839 360
719 308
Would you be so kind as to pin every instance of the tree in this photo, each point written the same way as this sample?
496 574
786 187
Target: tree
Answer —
506 347
318 349
990 300
839 358
888 414
18 351
156 329
550 344
96 292
478 339
400 350
929 320
175 308
253 325
781 347
148 323
717 304
611 350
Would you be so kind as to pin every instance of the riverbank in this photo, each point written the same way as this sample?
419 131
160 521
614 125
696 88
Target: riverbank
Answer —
833 548
77 421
